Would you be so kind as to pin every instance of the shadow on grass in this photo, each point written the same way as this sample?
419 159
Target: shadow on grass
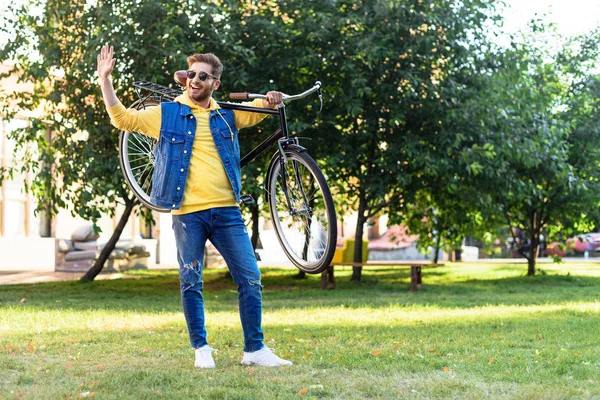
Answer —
158 291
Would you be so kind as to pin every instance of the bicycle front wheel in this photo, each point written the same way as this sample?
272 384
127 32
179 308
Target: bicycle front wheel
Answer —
136 154
302 211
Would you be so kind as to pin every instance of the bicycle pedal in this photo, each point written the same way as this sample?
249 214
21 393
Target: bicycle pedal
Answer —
247 200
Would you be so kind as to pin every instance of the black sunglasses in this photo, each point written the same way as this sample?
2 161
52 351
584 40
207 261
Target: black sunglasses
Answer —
202 76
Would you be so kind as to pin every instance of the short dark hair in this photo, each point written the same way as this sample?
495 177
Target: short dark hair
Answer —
208 58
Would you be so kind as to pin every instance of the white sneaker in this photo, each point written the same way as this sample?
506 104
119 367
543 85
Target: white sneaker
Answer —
204 358
264 358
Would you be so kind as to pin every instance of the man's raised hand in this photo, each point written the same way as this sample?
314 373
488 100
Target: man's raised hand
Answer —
106 62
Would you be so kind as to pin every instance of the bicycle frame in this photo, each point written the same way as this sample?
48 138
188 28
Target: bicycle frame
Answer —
281 135
291 173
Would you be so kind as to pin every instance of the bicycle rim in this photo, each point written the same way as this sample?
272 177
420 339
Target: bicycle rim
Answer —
306 225
136 154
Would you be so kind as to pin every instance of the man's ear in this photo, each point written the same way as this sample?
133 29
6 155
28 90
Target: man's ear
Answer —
216 85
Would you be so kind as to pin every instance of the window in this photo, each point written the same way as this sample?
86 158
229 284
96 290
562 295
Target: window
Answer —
16 207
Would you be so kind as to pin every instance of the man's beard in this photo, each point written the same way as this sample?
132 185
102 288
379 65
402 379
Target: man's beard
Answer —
201 95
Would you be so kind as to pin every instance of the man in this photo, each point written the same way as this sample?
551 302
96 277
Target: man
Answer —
197 175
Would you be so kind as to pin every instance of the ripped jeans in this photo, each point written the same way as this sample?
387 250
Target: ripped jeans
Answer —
225 229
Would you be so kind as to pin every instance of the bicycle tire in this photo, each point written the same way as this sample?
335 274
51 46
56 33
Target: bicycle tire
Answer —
309 243
136 156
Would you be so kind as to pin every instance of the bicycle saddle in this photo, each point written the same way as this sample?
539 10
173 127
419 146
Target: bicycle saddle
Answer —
180 77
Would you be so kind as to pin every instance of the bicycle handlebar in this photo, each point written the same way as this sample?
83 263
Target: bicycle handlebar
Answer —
181 78
286 97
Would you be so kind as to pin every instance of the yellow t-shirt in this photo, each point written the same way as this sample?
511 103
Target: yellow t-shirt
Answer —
207 184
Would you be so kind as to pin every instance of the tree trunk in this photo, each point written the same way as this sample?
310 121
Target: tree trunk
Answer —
536 224
358 241
534 249
255 217
437 248
99 264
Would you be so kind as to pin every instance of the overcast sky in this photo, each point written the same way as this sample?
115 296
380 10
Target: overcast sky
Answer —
571 16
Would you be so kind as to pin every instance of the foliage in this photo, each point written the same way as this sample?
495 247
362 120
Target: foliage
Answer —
526 140
384 66
70 146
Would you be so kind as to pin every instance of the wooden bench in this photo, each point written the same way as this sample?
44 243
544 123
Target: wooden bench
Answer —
328 278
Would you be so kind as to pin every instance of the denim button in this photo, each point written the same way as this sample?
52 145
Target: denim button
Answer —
173 205
178 188
181 169
185 152
173 139
189 132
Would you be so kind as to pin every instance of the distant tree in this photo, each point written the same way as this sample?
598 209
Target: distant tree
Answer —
528 140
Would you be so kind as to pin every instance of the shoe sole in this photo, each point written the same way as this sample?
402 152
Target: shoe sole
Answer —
205 366
265 365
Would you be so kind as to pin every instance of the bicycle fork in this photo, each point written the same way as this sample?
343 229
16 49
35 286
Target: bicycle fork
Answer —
283 144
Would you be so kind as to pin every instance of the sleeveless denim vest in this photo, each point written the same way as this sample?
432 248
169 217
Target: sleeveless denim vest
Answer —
174 151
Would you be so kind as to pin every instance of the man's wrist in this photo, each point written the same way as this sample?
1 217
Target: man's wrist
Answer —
105 80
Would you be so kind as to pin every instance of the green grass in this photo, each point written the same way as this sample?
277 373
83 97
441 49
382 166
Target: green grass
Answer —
473 331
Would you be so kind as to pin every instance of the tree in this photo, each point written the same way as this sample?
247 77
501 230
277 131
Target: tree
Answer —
56 50
526 140
394 61
384 66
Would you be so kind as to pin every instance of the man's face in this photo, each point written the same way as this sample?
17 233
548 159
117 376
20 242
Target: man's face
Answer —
199 90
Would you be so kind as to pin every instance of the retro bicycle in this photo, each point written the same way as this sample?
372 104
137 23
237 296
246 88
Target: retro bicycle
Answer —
300 202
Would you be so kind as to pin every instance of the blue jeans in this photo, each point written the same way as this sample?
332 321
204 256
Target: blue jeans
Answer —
225 229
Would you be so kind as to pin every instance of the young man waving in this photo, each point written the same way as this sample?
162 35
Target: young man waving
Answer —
197 175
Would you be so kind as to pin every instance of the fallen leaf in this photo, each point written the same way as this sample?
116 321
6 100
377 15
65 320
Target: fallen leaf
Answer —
431 349
446 369
302 391
539 336
24 300
491 361
376 353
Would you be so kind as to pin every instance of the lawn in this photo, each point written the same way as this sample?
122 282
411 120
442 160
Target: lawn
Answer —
473 331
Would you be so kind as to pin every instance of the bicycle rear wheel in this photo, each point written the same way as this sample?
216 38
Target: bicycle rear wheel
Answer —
136 155
302 211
